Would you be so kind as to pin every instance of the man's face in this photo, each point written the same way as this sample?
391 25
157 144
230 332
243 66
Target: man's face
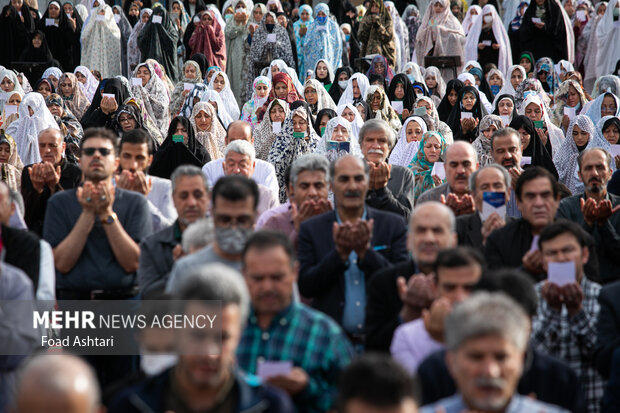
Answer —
486 371
207 371
270 277
457 283
238 131
51 147
190 198
375 146
237 163
537 204
565 248
350 183
135 157
460 164
594 172
358 405
97 166
310 185
34 397
506 151
240 213
6 206
430 232
489 180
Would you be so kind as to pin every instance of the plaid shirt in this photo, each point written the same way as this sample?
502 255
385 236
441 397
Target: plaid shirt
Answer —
308 338
572 339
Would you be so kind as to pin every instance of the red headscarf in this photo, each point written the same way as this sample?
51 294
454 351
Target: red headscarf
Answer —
209 41
291 93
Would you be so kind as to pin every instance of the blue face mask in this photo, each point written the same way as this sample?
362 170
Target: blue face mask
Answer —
347 37
527 93
495 89
322 19
411 78
616 12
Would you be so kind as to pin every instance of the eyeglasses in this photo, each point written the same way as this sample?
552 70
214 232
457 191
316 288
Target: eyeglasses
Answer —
227 221
123 120
91 151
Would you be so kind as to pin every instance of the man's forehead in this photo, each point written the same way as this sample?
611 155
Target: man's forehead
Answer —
460 153
506 140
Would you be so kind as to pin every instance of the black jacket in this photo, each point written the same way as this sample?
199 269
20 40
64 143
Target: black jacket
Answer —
468 230
607 327
23 251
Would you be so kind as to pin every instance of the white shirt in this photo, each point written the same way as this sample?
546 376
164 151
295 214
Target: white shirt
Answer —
162 208
267 199
264 173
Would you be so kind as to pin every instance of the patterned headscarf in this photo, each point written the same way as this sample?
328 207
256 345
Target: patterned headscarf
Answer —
77 102
421 167
214 139
404 151
332 154
482 144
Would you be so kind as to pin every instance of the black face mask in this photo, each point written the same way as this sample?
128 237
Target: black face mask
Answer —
270 27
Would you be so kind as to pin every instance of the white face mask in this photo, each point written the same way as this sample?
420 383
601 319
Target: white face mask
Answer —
153 364
343 83
488 19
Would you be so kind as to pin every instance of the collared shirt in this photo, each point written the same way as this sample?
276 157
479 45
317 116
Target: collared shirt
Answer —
518 404
412 344
572 339
354 293
264 217
264 173
308 338
512 210
163 213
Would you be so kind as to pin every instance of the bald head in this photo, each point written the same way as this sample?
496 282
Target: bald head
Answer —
432 228
461 162
57 384
51 145
239 130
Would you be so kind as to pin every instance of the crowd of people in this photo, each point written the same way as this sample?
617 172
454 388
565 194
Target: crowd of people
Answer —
383 234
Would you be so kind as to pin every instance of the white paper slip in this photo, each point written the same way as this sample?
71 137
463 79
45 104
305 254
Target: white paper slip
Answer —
4 96
100 18
108 95
188 86
487 42
136 81
321 27
439 170
536 20
505 119
276 127
9 110
581 15
534 246
157 19
267 369
493 202
615 150
561 273
68 15
117 18
466 115
398 107
570 112
271 38
196 19
50 22
526 160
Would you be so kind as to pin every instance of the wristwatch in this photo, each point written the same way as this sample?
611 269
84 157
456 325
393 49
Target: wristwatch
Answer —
110 219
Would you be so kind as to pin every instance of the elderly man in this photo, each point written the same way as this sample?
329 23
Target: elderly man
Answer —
313 342
389 186
507 152
399 294
42 180
339 250
202 381
565 323
486 337
159 251
595 210
471 230
307 192
58 383
264 173
461 162
240 159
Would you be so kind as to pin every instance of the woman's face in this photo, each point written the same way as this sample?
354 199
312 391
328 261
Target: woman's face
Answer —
505 107
477 80
206 19
274 69
495 80
431 82
127 122
608 107
276 113
258 14
424 104
55 110
214 104
65 87
489 131
262 90
343 76
281 90
601 9
340 134
305 16
54 11
5 152
269 19
612 134
321 71
190 71
15 100
203 121
311 95
44 89
210 73
572 97
116 11
413 132
438 7
356 89
54 80
469 100
452 97
7 85
432 149
176 8
36 41
144 74
300 124
219 83
68 8
533 111
362 111
516 78
399 92
80 77
145 17
526 64
525 138
379 68
375 101
348 114
181 130
580 136
374 8
542 76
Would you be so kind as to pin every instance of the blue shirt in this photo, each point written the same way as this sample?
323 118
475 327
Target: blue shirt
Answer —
512 210
518 404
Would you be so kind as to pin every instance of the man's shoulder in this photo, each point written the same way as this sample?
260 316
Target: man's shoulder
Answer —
610 291
127 197
411 328
312 316
385 217
64 197
401 171
200 257
211 166
572 200
434 194
160 183
465 220
390 274
311 223
509 228
264 166
161 236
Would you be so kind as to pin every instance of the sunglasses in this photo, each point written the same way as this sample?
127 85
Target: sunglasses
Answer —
91 151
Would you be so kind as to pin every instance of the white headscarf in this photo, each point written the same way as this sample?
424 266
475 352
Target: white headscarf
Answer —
25 130
332 155
404 151
415 71
228 98
470 18
507 89
9 74
324 101
347 95
444 35
555 134
357 123
501 37
441 84
222 112
101 43
53 71
90 88
594 110
289 70
155 98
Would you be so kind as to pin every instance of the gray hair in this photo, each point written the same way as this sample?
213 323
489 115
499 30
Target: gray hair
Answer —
462 143
46 130
474 176
62 373
216 282
309 162
187 170
484 314
18 200
243 147
500 133
198 234
374 125
439 207
332 167
583 153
